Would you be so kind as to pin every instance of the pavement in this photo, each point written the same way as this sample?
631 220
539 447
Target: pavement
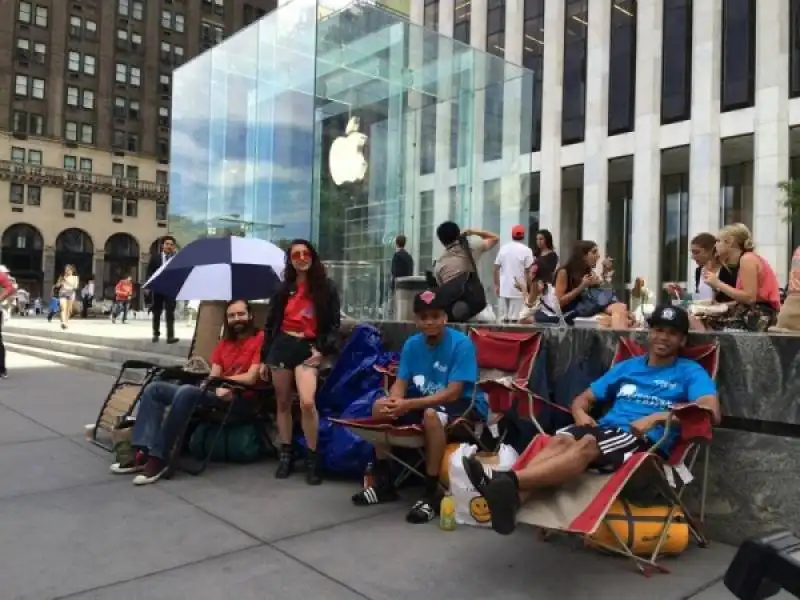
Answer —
69 529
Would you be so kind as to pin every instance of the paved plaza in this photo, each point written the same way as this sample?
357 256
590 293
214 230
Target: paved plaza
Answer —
69 529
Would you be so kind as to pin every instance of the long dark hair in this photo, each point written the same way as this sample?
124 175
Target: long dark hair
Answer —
576 266
548 241
227 333
316 276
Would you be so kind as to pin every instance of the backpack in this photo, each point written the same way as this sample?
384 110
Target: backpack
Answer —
237 443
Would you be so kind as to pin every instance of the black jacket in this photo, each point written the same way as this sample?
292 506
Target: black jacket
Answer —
327 323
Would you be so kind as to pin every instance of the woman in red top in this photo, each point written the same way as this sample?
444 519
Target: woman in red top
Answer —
303 320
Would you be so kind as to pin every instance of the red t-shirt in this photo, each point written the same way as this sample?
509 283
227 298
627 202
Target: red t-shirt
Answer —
236 357
299 317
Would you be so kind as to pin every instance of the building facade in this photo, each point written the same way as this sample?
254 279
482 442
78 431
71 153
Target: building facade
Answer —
85 128
652 120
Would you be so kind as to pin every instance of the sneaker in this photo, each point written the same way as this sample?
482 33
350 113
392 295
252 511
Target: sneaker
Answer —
172 340
424 511
501 494
312 469
154 470
113 320
378 494
156 338
4 375
285 464
136 465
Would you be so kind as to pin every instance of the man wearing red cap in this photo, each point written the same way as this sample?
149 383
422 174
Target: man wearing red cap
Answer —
512 264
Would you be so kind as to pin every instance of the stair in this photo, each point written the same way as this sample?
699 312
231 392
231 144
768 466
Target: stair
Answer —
101 354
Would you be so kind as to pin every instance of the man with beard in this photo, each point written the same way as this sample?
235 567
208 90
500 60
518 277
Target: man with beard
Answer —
237 357
641 389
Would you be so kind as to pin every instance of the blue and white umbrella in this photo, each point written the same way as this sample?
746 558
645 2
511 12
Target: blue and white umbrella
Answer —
223 268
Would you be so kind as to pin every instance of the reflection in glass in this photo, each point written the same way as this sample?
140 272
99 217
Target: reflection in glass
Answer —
622 67
427 228
736 194
676 61
529 189
492 205
493 105
573 116
619 244
674 227
738 53
533 59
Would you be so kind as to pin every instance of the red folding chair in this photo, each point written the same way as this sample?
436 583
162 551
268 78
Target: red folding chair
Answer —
582 507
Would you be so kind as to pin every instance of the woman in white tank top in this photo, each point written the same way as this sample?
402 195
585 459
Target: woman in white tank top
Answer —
68 285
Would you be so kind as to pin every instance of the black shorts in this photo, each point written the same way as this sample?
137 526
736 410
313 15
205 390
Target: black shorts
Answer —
615 445
288 351
447 413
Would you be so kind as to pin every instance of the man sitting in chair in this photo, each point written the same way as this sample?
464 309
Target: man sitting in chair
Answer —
434 386
642 390
237 357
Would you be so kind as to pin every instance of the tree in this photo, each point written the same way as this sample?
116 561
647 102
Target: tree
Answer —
791 199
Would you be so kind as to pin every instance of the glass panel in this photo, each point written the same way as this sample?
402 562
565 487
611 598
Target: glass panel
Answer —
738 53
676 63
314 122
619 244
622 67
736 194
794 48
533 59
674 227
576 25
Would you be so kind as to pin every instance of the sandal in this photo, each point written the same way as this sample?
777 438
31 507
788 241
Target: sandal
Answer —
422 512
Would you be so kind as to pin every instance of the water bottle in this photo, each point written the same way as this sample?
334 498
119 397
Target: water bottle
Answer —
447 513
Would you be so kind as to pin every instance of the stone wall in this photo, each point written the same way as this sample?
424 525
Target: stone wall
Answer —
754 474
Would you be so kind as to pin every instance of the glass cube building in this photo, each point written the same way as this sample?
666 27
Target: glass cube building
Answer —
348 126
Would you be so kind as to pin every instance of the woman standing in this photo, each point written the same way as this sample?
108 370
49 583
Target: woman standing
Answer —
755 296
577 277
303 321
68 286
546 258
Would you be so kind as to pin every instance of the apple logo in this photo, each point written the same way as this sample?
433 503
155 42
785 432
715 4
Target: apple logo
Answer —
346 160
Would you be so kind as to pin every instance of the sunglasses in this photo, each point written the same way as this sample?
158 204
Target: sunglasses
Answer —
300 255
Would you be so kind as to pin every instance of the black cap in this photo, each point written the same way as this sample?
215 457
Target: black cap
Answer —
427 300
667 315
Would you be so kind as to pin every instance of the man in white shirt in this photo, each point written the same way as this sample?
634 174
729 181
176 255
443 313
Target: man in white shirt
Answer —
512 264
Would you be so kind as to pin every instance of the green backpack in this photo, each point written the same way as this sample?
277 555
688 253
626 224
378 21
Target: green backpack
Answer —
239 443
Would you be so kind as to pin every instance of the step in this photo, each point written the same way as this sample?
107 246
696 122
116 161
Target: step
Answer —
81 362
94 351
136 341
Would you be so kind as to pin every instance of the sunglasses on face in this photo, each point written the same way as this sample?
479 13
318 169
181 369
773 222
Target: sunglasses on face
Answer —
301 255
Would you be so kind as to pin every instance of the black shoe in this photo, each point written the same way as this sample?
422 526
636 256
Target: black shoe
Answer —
155 338
424 511
375 495
313 476
4 375
285 464
172 340
500 492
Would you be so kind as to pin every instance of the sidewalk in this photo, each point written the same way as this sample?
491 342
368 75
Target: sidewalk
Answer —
69 529
135 329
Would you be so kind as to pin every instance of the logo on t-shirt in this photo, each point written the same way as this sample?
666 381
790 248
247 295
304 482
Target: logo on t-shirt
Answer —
425 387
627 390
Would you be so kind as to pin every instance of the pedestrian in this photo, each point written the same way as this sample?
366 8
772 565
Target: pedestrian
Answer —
122 299
512 265
6 290
68 286
161 303
87 297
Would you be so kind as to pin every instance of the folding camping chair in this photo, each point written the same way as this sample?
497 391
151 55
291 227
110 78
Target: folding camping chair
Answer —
505 379
126 390
582 507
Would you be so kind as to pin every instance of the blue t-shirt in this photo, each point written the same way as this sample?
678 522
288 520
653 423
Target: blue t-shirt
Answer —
639 390
429 369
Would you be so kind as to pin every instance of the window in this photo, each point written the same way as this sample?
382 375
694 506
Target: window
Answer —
23 47
75 26
17 155
164 84
736 194
25 12
118 141
576 15
17 195
88 99
166 52
120 107
166 19
117 170
133 143
132 172
121 73
674 226
39 52
35 157
117 205
212 34
133 109
71 131
179 23
72 95
135 76
68 200
90 29
738 54
136 41
794 58
131 207
622 67
163 116
22 122
161 177
21 85
74 62
41 16
533 59
462 17
37 88
70 163
89 62
86 165
161 211
84 202
123 8
163 148
493 105
178 51
138 11
87 133
122 38
36 124
34 195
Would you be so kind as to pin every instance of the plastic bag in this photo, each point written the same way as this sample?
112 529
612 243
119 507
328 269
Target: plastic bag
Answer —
486 315
471 508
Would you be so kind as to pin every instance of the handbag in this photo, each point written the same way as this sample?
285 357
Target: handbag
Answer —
473 297
594 300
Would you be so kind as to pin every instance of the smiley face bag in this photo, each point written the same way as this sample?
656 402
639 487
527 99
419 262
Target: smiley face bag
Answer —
471 507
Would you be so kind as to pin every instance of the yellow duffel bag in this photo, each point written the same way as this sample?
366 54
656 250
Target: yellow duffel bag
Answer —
640 528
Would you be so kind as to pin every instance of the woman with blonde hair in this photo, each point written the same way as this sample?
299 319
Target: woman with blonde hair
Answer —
756 294
68 286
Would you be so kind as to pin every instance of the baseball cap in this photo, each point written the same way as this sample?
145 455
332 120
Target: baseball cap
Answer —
426 300
518 232
667 315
